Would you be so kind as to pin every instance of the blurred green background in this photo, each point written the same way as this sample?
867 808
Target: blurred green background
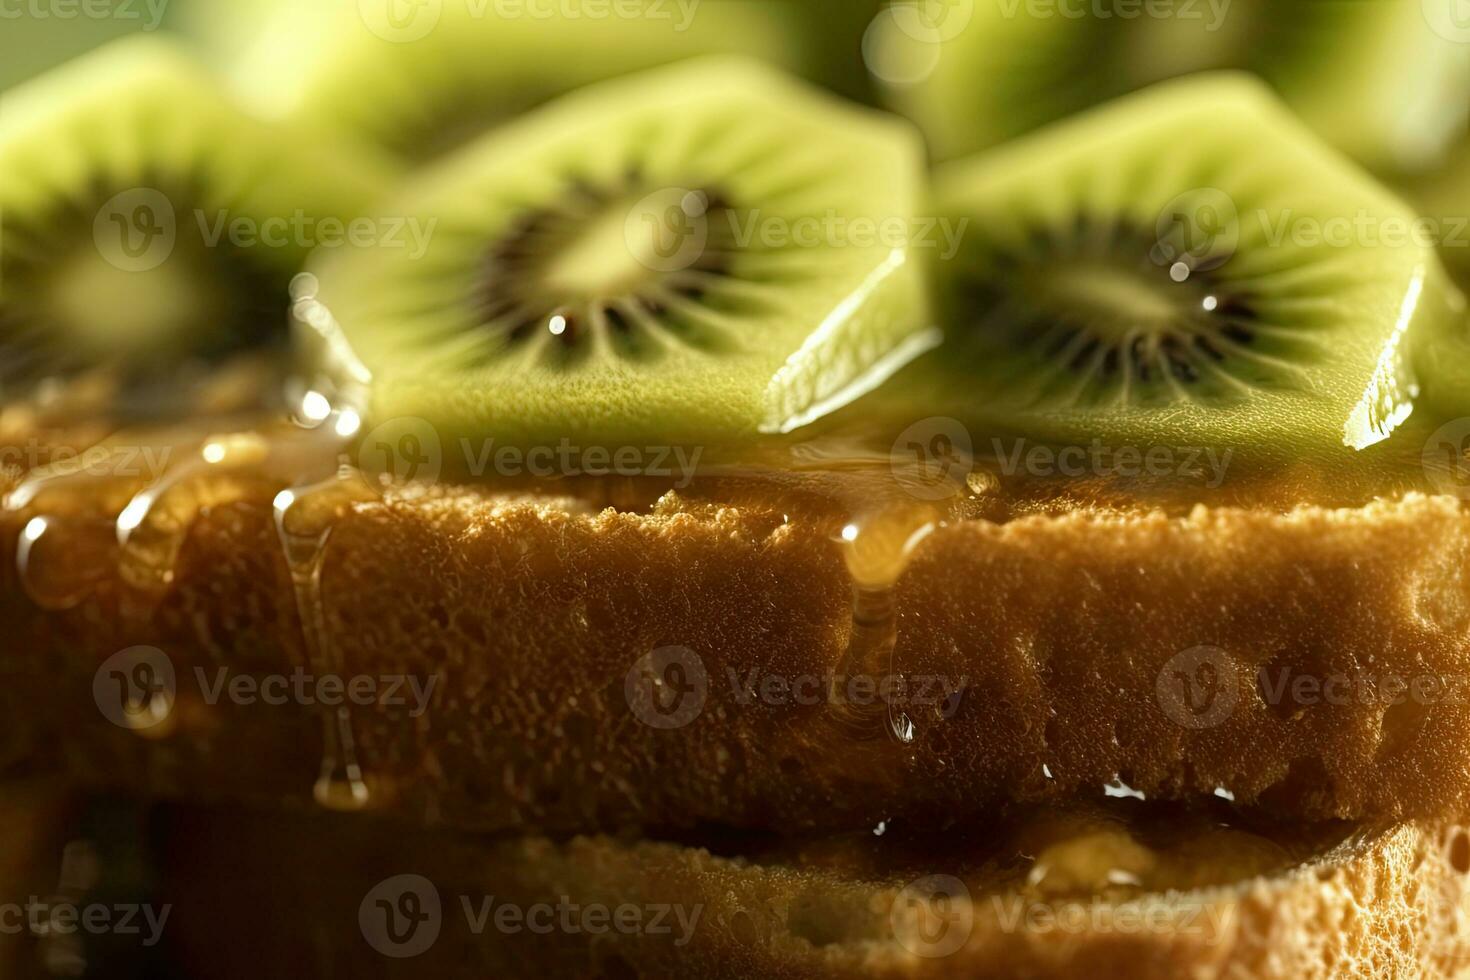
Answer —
31 43
37 34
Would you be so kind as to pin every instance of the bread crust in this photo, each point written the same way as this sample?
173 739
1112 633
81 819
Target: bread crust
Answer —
1384 904
1064 628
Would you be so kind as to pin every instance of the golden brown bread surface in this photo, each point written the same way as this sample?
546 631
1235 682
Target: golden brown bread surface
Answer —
1059 894
1312 660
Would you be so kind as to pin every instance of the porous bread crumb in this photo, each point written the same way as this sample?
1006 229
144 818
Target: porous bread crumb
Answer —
1064 629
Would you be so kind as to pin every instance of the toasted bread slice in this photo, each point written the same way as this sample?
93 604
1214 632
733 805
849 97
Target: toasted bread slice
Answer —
1090 892
528 617
1310 659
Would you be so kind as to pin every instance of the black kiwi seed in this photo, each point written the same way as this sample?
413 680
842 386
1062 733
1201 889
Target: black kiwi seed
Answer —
1013 290
514 301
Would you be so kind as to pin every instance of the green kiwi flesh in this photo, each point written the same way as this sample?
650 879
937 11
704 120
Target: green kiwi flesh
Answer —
123 172
1444 356
1373 77
1080 307
465 66
544 308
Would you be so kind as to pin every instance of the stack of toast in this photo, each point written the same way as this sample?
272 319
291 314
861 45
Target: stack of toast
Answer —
679 528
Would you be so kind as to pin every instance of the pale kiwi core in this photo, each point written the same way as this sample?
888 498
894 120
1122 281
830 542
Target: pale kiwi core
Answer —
1114 299
612 254
109 310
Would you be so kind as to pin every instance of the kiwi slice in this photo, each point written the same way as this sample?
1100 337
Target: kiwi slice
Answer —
422 80
683 256
147 224
1186 267
1371 76
1443 356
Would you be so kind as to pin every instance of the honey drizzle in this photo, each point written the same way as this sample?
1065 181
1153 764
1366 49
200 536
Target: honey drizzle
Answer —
342 783
876 549
62 557
893 505
876 545
84 550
